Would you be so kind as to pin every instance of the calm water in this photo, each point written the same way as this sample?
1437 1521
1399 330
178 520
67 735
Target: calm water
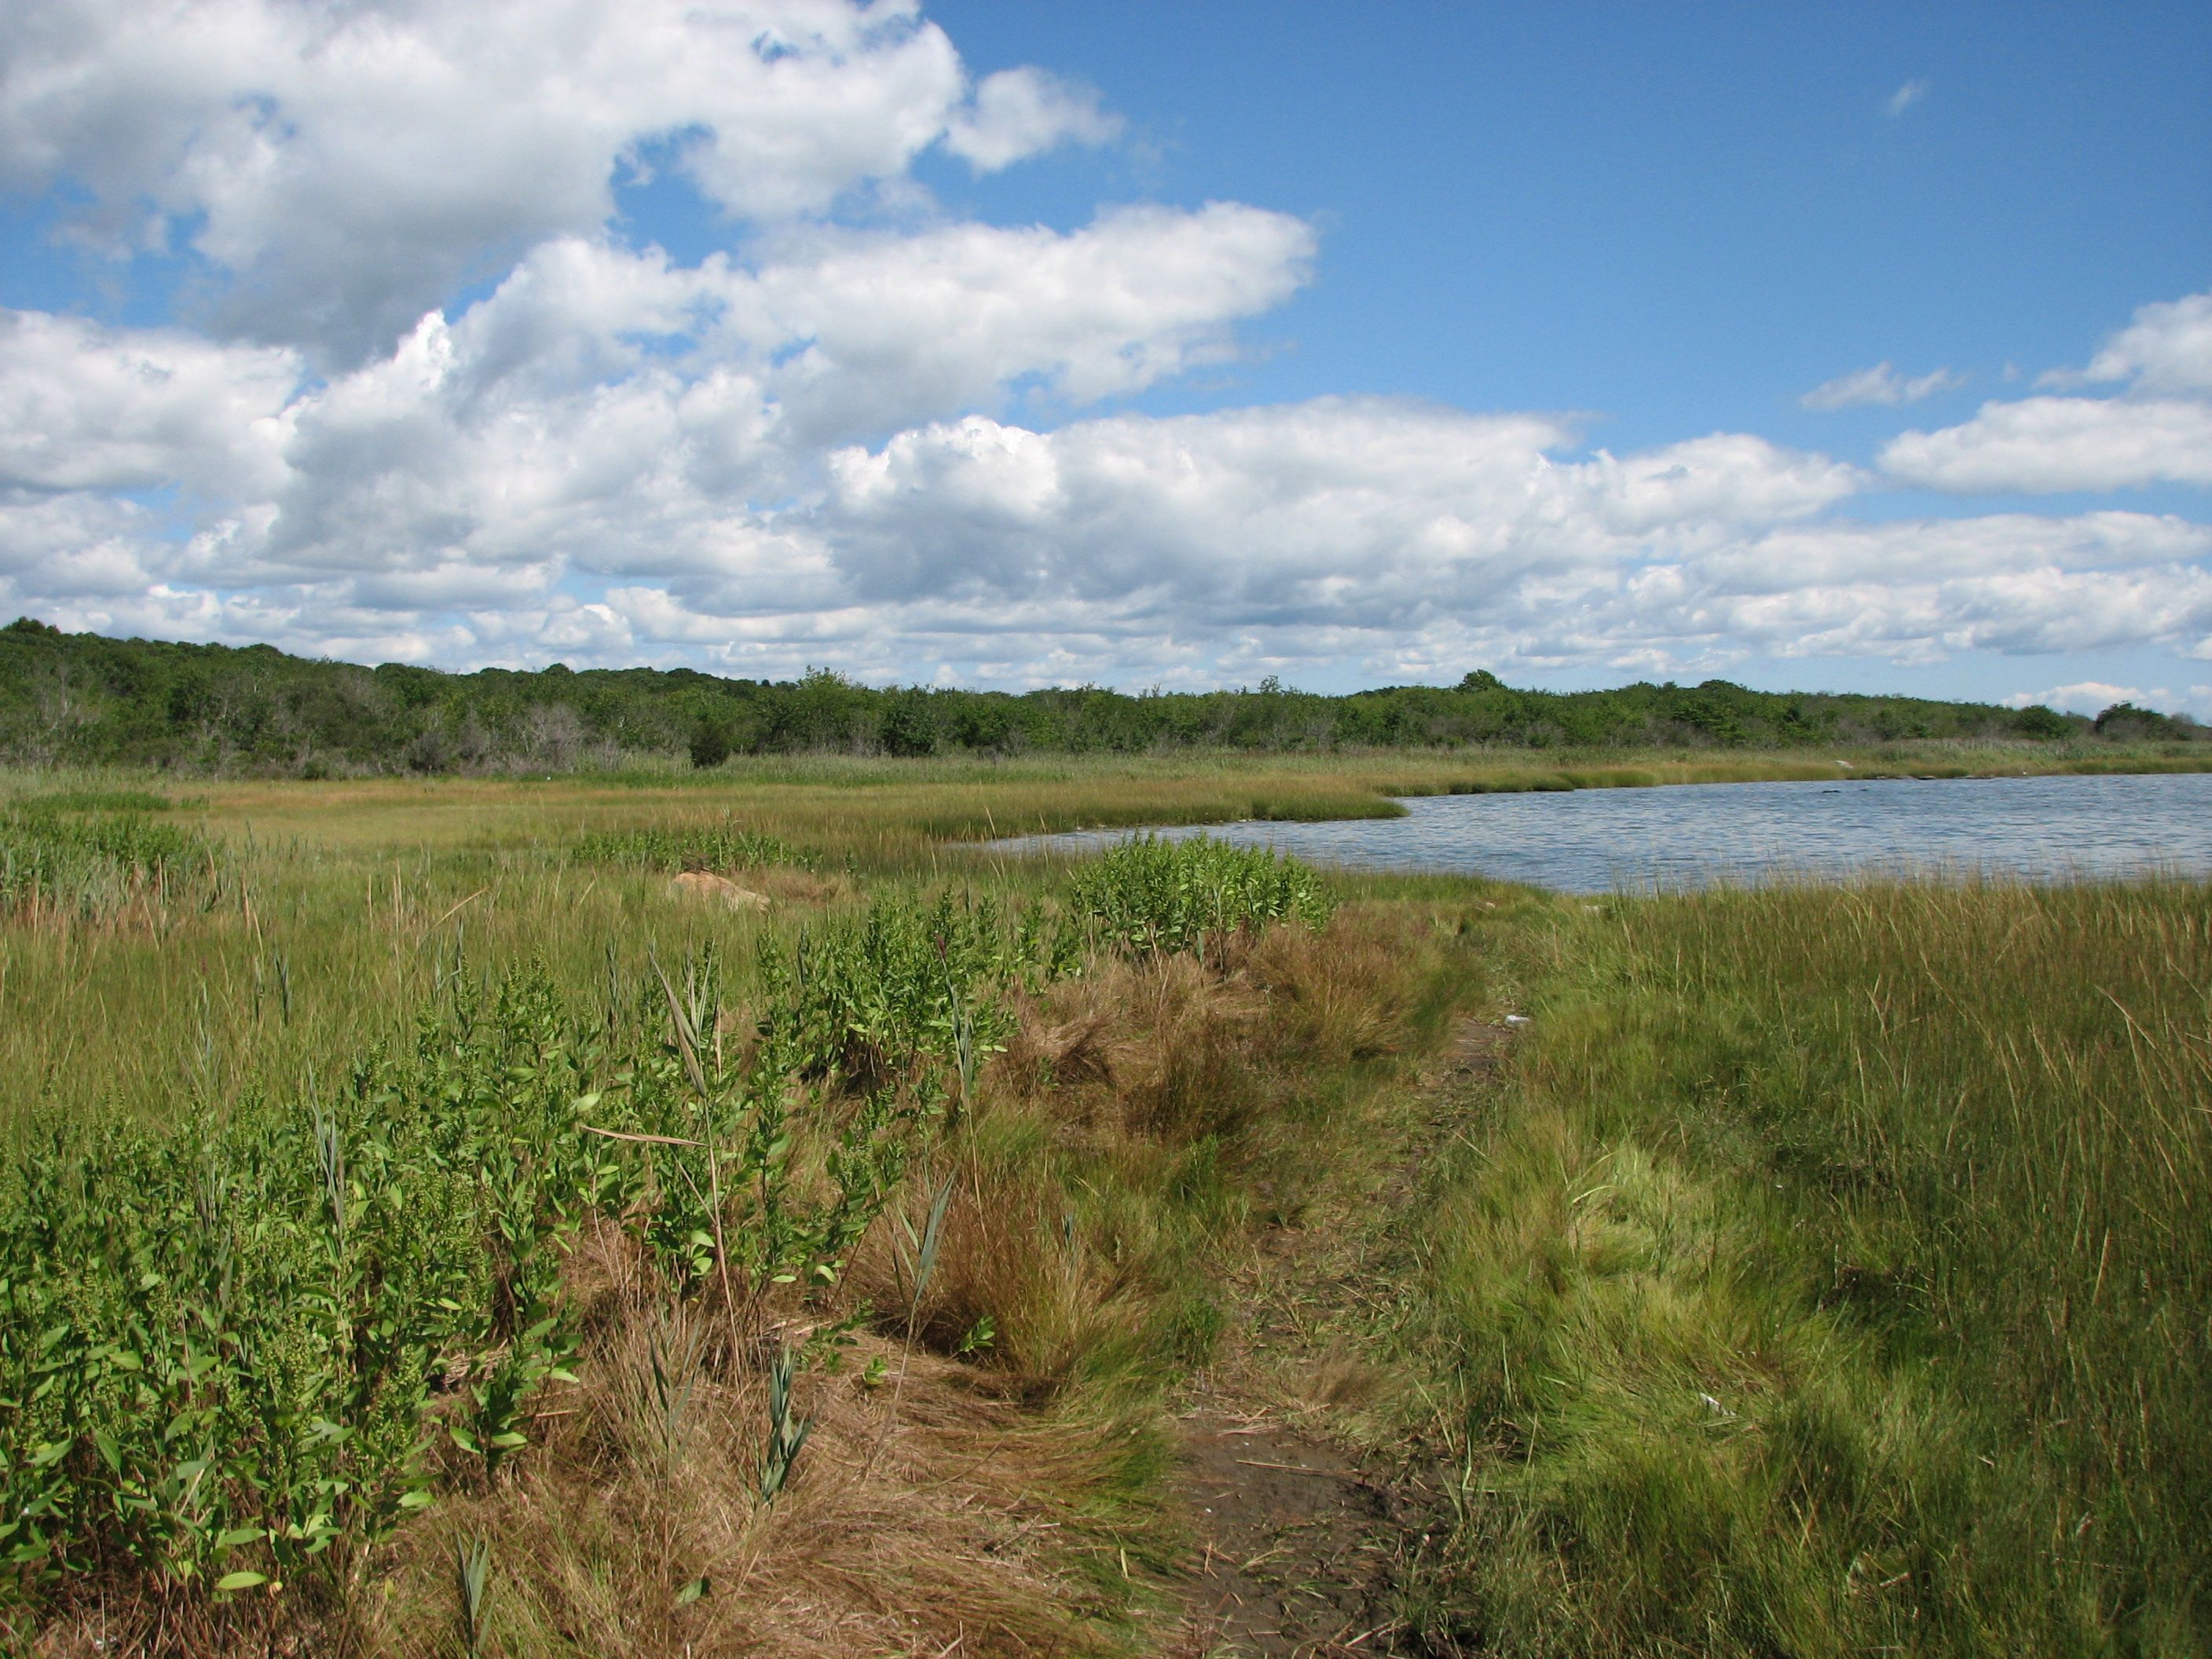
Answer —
1594 841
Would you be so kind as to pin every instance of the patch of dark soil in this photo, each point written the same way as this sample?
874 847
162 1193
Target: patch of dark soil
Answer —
1294 1542
1477 1048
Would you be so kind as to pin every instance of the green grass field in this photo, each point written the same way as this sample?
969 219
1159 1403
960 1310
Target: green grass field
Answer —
1832 1277
428 1228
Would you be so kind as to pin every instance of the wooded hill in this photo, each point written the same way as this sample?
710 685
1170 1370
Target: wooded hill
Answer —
85 699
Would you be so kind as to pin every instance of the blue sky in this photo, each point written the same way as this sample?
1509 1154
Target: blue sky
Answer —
1682 216
1013 343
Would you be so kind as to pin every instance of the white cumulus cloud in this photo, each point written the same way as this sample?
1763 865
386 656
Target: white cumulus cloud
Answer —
2041 444
437 408
346 166
901 328
2156 430
2094 696
1341 521
2167 348
83 407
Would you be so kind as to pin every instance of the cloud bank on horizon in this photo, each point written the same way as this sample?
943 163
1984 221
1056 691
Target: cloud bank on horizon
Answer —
420 397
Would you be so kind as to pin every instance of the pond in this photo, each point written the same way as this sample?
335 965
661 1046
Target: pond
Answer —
1594 841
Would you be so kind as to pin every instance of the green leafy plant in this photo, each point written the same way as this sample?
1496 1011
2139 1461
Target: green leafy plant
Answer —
471 1582
786 1431
1157 897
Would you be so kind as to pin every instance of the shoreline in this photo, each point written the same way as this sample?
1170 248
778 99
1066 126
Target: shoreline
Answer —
1382 797
1781 834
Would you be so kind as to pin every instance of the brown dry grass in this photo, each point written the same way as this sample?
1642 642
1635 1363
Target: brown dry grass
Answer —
927 1515
789 887
1109 1085
1342 996
932 1534
1173 1048
1012 1262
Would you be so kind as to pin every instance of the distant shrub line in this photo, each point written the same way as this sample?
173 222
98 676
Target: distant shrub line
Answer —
84 699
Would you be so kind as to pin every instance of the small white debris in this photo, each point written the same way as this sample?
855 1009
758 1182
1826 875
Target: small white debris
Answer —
1517 1020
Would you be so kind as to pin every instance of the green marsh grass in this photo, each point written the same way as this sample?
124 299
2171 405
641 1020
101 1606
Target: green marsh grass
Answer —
717 846
96 800
65 869
1834 1277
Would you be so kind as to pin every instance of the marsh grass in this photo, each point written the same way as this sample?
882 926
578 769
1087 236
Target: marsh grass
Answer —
59 868
720 845
1834 1278
1830 1278
95 800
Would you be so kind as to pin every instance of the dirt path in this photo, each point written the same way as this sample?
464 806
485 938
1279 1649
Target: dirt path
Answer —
1297 1536
1295 1543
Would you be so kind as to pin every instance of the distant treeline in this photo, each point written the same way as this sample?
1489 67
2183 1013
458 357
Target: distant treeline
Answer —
84 699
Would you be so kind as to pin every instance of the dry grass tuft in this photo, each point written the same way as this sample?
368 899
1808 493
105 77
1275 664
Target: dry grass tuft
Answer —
1339 995
1136 1079
1159 1049
637 1528
1175 1050
1063 1038
134 1615
788 885
1017 1281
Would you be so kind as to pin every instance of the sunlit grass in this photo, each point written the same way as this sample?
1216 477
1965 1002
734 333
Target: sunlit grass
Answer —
1835 1277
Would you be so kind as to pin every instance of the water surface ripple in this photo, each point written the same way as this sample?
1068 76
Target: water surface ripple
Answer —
1594 841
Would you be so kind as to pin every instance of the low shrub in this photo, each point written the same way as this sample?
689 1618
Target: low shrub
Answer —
1157 897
